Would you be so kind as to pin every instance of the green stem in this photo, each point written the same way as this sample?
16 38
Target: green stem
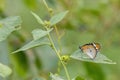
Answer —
56 29
56 51
52 44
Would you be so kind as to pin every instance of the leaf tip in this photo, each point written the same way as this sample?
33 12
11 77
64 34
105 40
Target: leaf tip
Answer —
32 12
37 17
14 52
114 63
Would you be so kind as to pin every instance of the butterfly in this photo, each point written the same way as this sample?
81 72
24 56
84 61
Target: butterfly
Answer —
91 49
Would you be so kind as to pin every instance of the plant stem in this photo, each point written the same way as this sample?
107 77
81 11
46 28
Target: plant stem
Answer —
56 29
52 44
57 53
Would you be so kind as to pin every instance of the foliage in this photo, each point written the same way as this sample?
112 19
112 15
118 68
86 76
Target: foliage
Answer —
55 43
37 41
4 71
57 18
38 34
9 25
100 58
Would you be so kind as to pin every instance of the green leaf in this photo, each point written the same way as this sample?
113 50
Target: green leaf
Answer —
8 25
100 58
38 40
55 77
39 33
57 18
33 43
38 18
4 70
78 78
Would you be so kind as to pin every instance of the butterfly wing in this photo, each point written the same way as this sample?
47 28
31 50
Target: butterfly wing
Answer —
89 50
97 45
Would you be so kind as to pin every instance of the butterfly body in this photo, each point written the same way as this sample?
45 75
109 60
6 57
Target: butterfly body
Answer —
91 49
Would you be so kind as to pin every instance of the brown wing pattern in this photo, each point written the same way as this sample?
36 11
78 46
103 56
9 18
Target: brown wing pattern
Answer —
90 49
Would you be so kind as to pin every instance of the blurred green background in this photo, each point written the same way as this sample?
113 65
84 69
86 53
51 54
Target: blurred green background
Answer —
87 21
